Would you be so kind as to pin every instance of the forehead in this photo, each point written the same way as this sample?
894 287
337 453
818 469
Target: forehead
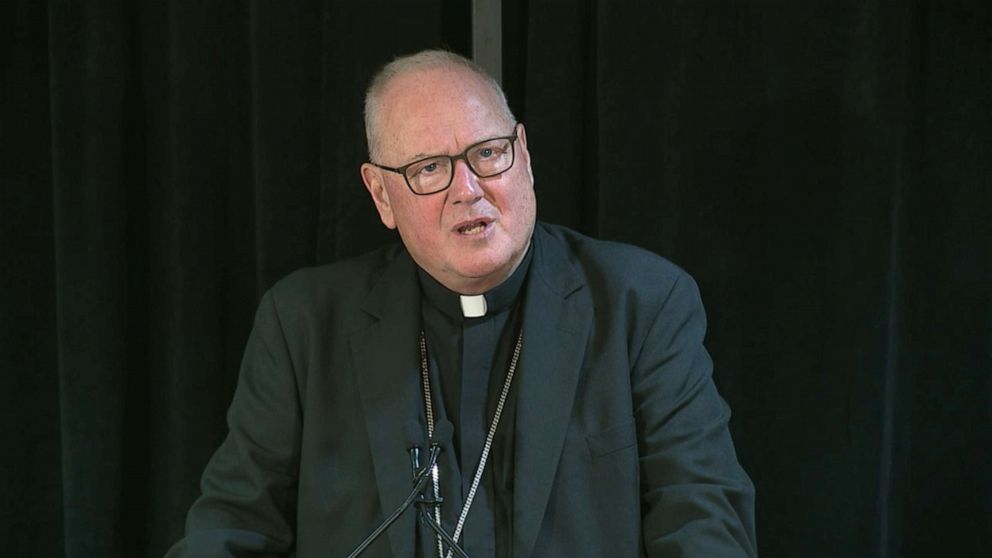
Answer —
432 111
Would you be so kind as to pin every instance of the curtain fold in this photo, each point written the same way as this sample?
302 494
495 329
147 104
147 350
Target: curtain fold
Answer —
31 470
821 169
94 294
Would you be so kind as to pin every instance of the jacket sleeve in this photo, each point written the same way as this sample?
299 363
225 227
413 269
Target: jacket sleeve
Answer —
248 499
697 500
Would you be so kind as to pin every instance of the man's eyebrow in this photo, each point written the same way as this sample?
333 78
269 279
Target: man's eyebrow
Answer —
422 155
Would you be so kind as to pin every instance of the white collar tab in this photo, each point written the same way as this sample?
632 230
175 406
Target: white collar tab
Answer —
473 306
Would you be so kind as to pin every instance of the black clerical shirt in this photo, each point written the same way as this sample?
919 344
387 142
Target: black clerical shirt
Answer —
469 359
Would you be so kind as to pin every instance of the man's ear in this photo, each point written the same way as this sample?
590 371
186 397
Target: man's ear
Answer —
524 153
375 184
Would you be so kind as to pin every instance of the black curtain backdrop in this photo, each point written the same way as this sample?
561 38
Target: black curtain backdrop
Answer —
823 169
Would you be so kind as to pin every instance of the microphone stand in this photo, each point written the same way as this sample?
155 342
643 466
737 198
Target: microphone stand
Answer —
420 481
420 478
425 516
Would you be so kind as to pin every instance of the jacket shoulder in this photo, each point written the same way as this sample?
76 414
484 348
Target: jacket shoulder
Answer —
616 265
339 283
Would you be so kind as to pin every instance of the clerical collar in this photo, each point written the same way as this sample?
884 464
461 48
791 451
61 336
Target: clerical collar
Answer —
496 300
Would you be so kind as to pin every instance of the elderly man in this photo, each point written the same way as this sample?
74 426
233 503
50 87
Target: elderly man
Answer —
570 370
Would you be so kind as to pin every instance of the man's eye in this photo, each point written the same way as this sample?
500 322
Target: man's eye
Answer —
426 169
486 152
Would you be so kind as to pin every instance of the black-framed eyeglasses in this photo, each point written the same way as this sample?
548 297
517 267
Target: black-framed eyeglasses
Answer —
433 174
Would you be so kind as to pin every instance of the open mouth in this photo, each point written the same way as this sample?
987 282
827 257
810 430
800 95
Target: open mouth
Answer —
474 227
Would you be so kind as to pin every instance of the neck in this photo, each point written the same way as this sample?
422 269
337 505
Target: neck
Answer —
471 286
497 299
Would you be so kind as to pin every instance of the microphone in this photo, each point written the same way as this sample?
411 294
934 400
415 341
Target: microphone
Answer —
442 436
444 431
414 434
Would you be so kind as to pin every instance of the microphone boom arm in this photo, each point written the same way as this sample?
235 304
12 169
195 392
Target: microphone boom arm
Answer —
420 481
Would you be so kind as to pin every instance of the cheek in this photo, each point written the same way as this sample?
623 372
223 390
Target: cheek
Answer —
522 204
417 221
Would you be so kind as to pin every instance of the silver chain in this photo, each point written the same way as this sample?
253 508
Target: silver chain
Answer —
425 380
428 404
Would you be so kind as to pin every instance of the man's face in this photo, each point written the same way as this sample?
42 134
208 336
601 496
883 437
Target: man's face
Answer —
471 236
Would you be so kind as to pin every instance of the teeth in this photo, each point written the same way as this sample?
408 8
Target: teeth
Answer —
472 229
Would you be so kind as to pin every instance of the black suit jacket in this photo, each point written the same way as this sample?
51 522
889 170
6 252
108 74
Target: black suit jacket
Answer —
621 447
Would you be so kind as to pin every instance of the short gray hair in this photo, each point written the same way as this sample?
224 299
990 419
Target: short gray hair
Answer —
421 61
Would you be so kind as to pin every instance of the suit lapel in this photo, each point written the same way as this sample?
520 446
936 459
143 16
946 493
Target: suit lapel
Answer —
385 362
557 318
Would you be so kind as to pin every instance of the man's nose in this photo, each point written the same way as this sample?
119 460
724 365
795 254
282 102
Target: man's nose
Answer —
465 187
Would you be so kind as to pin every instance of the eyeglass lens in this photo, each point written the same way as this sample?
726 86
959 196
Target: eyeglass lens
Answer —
485 159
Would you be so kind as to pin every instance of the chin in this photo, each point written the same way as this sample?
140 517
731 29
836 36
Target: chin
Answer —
480 272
